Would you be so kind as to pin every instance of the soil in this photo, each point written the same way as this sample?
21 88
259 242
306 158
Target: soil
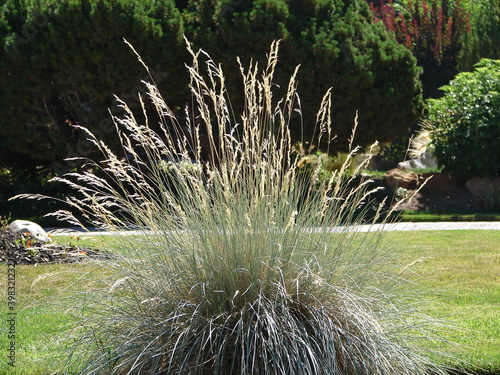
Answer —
442 198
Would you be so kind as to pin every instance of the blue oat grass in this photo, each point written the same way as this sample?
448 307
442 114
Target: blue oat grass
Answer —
241 263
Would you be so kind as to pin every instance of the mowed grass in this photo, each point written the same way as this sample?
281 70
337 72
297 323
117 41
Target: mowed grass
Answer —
429 216
462 267
44 316
41 315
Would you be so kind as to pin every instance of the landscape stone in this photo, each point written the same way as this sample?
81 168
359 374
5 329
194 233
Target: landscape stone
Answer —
396 178
426 160
32 229
483 187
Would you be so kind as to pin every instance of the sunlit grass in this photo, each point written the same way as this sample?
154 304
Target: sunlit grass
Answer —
461 267
464 268
43 314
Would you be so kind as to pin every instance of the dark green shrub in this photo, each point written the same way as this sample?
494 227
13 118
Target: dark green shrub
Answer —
62 62
466 122
337 44
28 180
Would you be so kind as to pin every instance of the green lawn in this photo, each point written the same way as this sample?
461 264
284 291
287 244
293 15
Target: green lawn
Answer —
462 266
430 216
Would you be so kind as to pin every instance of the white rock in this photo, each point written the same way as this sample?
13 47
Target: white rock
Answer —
34 230
410 165
426 160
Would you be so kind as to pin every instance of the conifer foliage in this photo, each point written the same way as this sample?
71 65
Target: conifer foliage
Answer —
337 45
61 63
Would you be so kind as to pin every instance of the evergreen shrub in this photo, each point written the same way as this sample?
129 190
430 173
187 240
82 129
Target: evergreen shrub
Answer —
337 44
61 63
484 39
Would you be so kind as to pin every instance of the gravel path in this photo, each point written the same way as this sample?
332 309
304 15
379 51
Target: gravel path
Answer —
478 225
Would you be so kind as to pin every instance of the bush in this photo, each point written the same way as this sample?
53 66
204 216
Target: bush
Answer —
433 30
336 43
62 62
238 266
22 181
466 122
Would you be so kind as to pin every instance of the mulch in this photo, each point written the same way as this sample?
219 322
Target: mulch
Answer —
19 249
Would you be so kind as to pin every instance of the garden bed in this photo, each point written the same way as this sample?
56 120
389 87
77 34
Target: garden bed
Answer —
19 249
450 201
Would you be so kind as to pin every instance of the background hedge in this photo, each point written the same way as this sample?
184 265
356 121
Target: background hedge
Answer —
62 62
484 39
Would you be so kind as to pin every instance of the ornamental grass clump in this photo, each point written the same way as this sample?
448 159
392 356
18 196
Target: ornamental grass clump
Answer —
239 262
